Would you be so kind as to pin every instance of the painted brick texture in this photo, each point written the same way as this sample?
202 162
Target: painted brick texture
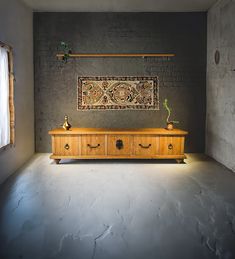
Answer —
182 78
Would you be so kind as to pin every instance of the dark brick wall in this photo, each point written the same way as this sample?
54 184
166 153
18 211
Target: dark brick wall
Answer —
182 79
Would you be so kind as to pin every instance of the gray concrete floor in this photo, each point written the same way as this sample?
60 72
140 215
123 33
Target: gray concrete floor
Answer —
118 209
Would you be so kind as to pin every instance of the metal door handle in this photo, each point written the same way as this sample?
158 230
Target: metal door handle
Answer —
119 144
149 145
90 146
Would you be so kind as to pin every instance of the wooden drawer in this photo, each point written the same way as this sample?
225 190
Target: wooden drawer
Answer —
93 145
144 145
171 145
65 145
119 145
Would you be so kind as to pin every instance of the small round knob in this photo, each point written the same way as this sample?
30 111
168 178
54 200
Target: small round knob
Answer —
170 146
66 146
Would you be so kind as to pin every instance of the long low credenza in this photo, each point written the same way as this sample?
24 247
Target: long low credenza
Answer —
104 143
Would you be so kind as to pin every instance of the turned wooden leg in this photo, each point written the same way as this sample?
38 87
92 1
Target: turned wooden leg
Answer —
57 161
179 161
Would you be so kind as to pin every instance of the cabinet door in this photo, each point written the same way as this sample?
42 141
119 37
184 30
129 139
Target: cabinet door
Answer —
171 145
93 145
119 145
144 145
65 145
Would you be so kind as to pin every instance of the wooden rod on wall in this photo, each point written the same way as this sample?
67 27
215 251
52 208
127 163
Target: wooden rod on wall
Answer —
77 55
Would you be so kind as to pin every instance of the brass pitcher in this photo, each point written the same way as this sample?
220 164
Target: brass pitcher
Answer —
66 124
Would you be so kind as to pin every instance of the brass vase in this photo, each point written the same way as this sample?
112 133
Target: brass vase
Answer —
66 124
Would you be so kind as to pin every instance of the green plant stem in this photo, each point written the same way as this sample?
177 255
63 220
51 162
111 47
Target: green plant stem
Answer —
165 104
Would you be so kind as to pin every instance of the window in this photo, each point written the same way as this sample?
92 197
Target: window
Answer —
7 123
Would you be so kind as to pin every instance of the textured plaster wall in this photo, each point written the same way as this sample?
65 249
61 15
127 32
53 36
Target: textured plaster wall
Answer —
16 29
182 79
220 128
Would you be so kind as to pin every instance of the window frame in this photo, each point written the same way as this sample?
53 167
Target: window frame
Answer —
9 50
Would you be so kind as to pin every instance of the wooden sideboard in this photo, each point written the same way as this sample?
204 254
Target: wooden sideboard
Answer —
103 143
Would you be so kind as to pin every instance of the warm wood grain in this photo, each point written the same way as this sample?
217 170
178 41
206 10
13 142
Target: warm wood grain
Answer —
61 142
125 150
171 145
92 143
110 131
180 157
145 145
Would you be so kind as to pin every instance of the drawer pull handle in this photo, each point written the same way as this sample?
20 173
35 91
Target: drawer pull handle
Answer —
67 146
170 146
119 144
90 146
149 145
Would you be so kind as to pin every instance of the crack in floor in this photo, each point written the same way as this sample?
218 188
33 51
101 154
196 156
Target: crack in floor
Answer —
105 232
18 204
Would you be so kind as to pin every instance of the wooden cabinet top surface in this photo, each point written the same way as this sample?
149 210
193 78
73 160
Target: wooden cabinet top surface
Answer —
158 131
